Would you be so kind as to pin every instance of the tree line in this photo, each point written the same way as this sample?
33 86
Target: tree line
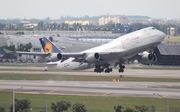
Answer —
21 47
115 28
24 105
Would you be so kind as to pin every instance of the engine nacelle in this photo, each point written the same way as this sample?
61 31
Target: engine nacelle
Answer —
148 58
92 57
55 57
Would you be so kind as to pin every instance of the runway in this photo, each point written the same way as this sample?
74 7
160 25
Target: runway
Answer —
115 89
148 73
93 88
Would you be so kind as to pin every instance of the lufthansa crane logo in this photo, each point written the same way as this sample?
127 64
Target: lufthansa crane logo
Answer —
48 47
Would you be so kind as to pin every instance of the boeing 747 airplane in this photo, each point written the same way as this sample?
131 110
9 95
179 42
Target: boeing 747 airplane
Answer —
101 57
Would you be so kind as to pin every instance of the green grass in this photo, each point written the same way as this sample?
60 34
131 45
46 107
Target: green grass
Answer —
92 103
144 68
80 78
173 39
54 77
172 87
4 69
141 79
13 64
157 68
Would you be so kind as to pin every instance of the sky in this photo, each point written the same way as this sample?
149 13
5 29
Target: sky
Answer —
54 9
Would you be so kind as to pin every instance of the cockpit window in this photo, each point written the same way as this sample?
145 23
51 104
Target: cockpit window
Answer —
153 28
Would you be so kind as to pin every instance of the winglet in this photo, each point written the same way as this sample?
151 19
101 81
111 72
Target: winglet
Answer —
48 46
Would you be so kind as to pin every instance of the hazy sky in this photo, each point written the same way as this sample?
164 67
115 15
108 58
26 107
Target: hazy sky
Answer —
56 8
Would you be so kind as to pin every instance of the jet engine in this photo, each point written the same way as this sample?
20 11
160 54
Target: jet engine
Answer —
148 58
55 57
92 57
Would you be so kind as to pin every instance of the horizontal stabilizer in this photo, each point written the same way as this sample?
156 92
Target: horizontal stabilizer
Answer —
26 53
8 51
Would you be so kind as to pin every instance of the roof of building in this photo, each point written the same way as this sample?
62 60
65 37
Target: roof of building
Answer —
113 16
169 49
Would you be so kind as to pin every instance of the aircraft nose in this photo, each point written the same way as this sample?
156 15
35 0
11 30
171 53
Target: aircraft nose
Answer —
162 35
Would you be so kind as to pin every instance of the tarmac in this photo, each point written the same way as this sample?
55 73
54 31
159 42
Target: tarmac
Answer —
94 88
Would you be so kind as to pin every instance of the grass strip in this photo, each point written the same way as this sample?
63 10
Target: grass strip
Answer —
21 70
156 68
173 39
93 103
81 78
172 87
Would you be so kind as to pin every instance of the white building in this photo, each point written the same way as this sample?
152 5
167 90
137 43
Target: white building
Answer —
114 19
82 22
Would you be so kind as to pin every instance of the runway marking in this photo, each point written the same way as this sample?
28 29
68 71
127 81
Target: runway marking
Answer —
106 94
51 91
164 96
1 89
170 85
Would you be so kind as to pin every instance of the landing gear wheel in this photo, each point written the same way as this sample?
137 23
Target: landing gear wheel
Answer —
98 69
102 69
110 69
107 71
121 70
95 70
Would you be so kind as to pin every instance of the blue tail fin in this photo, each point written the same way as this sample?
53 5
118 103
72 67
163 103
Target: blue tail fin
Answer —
48 46
128 31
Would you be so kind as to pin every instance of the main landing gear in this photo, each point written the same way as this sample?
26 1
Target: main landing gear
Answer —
106 69
121 68
100 69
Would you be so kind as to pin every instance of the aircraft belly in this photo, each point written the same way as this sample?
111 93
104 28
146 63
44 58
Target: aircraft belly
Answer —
84 66
131 52
127 53
78 66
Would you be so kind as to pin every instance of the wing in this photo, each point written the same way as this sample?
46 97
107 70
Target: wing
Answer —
89 57
43 54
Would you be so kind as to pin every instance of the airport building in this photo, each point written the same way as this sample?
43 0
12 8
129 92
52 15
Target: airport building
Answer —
114 19
168 54
82 22
71 34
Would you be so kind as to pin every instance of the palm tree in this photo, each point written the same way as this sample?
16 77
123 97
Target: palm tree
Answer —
79 107
60 106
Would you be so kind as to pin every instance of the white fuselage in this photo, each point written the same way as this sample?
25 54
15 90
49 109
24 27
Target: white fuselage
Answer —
122 48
